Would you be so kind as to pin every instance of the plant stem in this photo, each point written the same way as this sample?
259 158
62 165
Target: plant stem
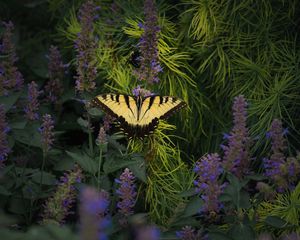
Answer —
42 169
91 147
99 167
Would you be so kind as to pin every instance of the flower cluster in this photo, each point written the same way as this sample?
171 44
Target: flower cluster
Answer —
56 70
148 46
138 91
188 233
10 77
127 194
33 103
47 132
58 207
236 154
208 170
282 171
147 233
101 139
93 214
4 148
85 46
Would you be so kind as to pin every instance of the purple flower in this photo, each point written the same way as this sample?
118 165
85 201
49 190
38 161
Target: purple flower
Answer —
148 46
85 46
57 71
208 170
58 207
138 91
283 172
107 121
10 77
236 153
101 139
47 132
188 233
33 103
4 148
147 233
127 194
93 214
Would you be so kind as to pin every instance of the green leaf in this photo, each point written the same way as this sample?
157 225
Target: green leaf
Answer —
64 164
242 232
4 191
218 236
29 135
188 193
86 162
256 177
48 178
19 124
83 123
9 101
275 221
244 200
95 112
19 205
193 206
190 221
134 162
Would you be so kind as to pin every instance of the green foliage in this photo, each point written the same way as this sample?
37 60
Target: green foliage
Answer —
282 215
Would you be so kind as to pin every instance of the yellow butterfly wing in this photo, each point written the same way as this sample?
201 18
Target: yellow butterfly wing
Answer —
122 107
158 107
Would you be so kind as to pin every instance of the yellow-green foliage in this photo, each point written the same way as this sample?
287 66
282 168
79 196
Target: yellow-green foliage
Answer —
286 207
167 175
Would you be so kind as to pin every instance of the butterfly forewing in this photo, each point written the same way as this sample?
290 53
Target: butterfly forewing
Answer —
159 107
118 106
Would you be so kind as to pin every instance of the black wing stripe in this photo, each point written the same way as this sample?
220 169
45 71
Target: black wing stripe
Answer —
117 98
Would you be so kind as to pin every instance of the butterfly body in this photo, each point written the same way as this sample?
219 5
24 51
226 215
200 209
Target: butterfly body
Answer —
138 116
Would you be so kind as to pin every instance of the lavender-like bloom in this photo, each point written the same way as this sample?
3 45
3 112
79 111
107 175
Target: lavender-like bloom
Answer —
101 139
138 91
236 154
10 77
148 46
33 103
188 233
127 194
85 46
4 148
47 132
283 172
147 233
56 70
58 207
107 121
208 170
93 214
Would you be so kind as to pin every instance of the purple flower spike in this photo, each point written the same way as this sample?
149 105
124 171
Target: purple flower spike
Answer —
94 214
188 233
58 207
148 46
10 76
47 132
85 46
138 91
208 170
4 148
57 71
236 153
127 194
281 170
33 103
147 233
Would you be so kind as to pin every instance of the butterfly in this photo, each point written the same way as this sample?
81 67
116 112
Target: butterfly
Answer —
137 116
